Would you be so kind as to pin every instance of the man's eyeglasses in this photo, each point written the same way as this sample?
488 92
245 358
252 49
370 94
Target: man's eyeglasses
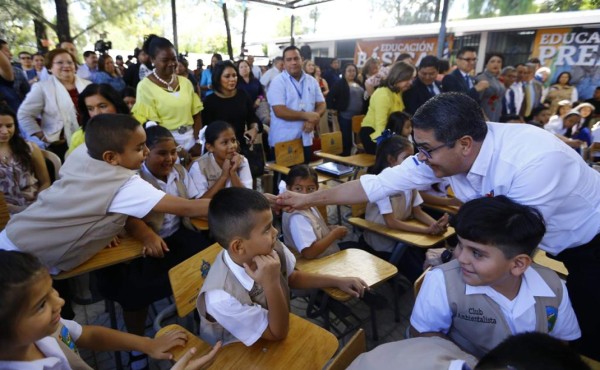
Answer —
25 57
426 152
468 59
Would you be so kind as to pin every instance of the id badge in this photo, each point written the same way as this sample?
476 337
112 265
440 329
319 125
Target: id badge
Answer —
301 106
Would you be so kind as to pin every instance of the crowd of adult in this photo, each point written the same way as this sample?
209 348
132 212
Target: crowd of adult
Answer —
458 119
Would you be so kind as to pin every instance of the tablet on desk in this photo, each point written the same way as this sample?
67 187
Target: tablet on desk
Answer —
335 168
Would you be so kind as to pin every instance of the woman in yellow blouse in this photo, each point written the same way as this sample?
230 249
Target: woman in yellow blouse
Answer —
169 99
385 100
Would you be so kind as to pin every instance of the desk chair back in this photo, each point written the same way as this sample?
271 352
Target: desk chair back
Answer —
53 163
289 153
356 125
419 282
187 278
4 215
332 143
355 346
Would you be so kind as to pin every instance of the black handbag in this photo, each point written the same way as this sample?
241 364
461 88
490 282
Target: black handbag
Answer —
256 160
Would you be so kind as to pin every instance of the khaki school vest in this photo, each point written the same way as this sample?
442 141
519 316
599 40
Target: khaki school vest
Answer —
69 223
156 219
319 226
478 324
67 346
221 277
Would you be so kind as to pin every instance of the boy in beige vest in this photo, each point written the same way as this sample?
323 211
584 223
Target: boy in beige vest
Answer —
492 289
98 190
246 293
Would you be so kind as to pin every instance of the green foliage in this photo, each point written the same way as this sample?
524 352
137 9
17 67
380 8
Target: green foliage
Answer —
402 12
568 5
284 27
494 8
16 27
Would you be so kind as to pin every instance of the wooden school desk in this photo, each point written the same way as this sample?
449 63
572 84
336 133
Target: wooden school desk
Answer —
416 239
127 250
349 262
307 346
352 263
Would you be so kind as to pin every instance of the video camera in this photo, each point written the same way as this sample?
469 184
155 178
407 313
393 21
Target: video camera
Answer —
102 46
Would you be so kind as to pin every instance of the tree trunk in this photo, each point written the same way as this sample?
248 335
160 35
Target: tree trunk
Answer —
41 36
243 52
226 17
174 16
63 29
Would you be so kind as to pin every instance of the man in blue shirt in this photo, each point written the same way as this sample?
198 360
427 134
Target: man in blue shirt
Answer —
297 103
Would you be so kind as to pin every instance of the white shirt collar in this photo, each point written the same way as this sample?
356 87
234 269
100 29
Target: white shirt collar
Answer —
239 272
532 285
289 76
485 156
173 175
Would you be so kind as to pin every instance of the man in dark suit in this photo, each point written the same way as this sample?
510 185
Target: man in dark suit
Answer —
510 102
460 79
532 92
424 86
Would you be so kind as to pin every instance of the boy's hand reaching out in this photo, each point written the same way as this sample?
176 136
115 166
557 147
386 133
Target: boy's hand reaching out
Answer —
267 269
159 347
154 246
352 285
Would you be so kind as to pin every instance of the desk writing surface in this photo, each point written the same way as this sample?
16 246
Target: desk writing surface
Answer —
128 249
307 346
200 223
349 263
416 239
357 160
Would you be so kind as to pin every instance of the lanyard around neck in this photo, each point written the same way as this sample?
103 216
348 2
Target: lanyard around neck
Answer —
299 92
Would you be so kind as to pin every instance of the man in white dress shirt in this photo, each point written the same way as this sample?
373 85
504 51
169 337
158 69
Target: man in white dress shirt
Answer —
528 165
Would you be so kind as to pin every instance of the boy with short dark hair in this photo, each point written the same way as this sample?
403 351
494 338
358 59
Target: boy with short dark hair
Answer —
246 293
98 190
492 289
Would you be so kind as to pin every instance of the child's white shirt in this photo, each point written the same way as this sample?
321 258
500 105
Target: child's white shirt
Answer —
302 231
431 312
55 358
202 183
245 322
375 212
172 222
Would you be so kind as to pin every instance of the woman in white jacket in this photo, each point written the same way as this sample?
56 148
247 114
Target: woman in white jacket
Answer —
55 102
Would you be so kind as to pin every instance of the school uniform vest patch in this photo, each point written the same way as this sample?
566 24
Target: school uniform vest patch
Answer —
69 223
478 324
220 277
67 346
156 219
318 225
